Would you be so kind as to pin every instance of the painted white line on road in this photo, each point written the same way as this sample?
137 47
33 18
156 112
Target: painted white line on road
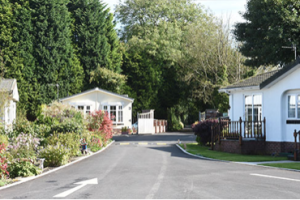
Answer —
276 177
81 184
159 179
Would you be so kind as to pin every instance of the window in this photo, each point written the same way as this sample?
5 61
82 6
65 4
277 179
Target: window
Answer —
294 106
80 107
88 109
120 114
115 112
253 108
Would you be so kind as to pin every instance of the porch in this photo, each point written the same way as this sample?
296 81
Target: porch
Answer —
243 137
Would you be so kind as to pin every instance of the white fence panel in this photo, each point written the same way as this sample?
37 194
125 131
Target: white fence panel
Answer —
146 123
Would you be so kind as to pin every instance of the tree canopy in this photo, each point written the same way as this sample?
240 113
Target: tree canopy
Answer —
270 24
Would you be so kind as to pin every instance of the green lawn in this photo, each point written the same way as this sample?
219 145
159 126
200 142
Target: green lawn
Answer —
285 165
194 148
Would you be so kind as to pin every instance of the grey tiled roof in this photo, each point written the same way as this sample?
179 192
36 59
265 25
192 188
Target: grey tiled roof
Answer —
6 84
253 81
264 79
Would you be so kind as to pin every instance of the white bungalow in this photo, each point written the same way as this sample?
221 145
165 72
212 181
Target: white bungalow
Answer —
119 106
9 90
274 95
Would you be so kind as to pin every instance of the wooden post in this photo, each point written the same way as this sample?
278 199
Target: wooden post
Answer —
295 151
240 137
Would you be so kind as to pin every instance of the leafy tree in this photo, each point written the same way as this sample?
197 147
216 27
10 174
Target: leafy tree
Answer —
188 49
107 79
269 25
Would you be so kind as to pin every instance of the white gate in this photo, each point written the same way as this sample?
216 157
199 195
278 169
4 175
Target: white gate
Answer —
146 123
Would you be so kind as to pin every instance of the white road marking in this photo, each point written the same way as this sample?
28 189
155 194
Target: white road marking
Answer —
81 184
159 179
276 177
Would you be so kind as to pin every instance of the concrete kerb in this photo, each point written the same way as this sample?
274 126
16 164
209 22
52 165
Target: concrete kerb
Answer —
23 180
242 163
197 156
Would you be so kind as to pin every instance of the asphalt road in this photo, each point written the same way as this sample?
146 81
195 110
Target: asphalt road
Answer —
153 167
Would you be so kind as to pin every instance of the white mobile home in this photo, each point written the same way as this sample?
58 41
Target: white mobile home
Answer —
274 95
118 106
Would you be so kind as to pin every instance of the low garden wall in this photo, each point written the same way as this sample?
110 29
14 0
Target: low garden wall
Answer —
254 147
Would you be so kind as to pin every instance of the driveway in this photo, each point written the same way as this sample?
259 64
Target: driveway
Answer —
151 166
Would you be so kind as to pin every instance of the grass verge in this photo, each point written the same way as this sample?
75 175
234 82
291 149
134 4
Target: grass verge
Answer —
285 165
194 148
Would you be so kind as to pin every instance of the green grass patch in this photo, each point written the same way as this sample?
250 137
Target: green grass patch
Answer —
196 149
285 165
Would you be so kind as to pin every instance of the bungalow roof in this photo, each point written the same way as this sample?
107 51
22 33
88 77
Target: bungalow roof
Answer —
263 80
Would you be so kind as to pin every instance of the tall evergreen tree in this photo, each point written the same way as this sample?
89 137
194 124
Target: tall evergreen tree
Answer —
8 47
23 35
89 36
115 54
56 62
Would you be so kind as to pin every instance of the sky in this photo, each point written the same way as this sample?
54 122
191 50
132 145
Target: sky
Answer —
220 8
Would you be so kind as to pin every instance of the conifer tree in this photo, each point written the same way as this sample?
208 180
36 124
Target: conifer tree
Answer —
56 63
115 54
23 35
89 36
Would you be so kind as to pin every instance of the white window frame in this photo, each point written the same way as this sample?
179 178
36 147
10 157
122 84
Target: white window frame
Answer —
297 101
252 99
117 105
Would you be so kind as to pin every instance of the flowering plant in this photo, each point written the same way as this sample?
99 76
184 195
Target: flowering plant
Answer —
23 146
3 161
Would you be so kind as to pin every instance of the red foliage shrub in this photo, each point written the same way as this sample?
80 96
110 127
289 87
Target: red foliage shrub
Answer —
100 122
3 161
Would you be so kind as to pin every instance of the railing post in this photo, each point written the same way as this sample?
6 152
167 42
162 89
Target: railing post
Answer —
240 137
265 133
212 136
295 152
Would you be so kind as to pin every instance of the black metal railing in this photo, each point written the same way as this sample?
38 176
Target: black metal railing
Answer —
237 130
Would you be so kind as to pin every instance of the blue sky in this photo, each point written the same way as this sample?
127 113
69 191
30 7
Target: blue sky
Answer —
220 8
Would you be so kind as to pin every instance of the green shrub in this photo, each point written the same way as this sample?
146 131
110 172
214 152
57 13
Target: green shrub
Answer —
42 130
21 125
4 140
68 140
22 168
198 140
96 143
61 118
55 155
67 126
87 135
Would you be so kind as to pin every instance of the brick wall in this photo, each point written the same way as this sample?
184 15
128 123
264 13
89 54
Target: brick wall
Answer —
254 147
